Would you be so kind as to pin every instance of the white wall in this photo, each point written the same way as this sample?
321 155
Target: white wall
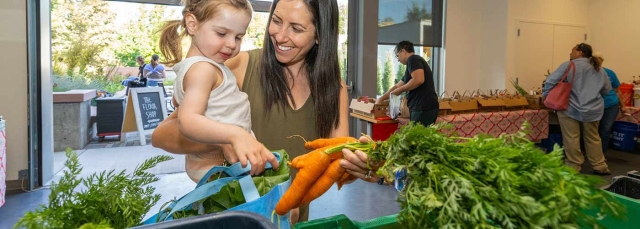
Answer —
462 49
13 83
557 11
475 51
614 31
480 37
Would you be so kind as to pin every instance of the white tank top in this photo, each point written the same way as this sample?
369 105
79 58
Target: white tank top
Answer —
226 104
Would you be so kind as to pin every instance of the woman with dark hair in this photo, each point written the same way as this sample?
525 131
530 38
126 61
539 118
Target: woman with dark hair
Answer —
293 84
585 110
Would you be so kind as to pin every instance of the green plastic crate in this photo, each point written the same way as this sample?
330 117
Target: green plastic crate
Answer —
342 222
390 222
632 215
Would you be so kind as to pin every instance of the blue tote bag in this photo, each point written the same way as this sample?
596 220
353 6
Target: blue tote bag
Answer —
214 182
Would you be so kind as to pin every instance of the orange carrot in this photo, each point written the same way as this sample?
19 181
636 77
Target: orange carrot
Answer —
311 169
330 176
298 161
322 142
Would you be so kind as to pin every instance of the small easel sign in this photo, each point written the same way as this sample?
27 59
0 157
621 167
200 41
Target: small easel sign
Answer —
146 109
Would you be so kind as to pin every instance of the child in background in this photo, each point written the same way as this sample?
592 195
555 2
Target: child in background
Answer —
212 108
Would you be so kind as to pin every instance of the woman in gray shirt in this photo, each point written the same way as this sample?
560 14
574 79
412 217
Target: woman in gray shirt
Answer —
586 107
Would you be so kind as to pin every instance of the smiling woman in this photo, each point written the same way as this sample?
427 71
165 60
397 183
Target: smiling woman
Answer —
293 85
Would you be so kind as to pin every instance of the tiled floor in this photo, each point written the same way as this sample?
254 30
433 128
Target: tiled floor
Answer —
358 201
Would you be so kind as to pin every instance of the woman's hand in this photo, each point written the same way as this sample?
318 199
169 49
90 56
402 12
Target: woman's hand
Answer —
356 164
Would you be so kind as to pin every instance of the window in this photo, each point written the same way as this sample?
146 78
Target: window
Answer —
418 21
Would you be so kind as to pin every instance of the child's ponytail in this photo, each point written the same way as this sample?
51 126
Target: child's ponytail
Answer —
171 42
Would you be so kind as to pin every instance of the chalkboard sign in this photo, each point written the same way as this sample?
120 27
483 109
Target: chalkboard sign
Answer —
150 110
146 109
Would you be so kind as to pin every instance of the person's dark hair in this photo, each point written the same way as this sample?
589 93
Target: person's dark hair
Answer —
587 52
321 64
140 58
406 45
154 60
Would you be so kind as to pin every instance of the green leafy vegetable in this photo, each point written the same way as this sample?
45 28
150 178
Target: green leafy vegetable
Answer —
518 88
486 182
104 200
231 195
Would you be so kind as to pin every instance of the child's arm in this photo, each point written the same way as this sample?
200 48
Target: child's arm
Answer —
201 78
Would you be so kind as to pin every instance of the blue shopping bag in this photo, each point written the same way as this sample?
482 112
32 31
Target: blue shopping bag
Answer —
222 175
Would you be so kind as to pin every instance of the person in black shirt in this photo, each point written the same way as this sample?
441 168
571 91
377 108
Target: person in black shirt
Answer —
422 99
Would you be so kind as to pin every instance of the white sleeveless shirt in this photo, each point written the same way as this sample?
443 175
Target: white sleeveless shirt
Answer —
226 104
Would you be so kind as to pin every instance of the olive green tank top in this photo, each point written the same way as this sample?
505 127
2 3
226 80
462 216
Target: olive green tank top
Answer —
274 128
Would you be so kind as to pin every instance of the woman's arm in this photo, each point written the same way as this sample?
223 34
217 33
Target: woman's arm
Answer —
343 126
554 78
167 137
164 74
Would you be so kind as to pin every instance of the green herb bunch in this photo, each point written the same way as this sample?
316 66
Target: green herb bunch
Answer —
487 182
230 195
105 199
518 88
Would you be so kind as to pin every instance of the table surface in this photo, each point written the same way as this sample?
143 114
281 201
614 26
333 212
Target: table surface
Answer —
496 123
633 117
371 120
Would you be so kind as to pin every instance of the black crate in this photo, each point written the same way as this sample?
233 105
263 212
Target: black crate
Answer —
626 186
224 220
634 174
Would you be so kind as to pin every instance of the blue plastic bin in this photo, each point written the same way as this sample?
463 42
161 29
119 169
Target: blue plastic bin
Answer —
624 136
551 141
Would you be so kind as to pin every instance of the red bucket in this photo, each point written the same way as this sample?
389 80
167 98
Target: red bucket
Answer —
626 92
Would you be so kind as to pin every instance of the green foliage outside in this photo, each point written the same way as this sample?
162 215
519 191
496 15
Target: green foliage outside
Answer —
88 45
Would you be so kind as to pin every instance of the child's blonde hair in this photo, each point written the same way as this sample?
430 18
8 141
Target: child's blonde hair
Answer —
203 10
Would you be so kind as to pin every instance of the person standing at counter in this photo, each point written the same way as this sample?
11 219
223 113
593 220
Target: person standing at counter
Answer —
612 105
418 83
585 109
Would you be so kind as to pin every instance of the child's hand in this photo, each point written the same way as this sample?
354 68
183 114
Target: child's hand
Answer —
248 148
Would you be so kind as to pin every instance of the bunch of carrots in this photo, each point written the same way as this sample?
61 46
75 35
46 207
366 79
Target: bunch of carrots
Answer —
318 171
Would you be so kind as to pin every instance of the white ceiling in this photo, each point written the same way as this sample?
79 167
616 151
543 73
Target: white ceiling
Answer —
258 5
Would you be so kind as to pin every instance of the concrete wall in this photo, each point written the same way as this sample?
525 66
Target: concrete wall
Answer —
13 86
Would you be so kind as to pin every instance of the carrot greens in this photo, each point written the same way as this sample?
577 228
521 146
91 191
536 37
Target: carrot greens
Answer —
486 182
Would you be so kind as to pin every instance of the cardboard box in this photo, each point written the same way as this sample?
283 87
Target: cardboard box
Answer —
445 108
464 105
535 102
515 101
369 109
491 104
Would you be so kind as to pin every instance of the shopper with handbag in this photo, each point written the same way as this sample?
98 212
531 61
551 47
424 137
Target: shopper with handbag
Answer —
575 91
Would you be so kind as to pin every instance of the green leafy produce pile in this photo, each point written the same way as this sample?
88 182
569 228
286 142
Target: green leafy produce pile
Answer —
486 182
108 199
231 195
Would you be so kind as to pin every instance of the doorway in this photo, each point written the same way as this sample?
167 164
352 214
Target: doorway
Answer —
542 47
